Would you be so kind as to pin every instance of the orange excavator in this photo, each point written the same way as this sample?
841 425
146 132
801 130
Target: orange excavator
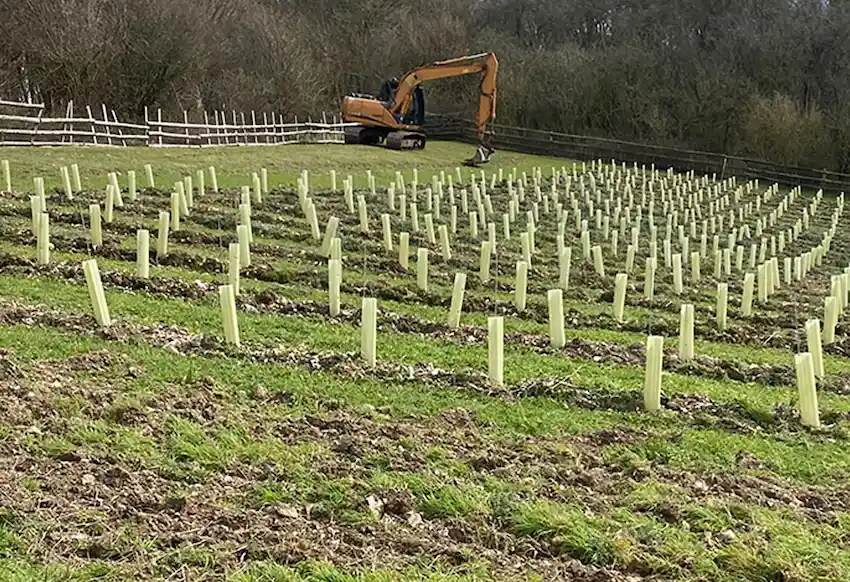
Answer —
394 118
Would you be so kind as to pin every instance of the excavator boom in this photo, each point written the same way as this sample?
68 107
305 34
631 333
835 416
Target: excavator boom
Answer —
397 121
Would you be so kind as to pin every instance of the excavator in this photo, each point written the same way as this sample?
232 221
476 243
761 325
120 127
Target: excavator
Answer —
394 118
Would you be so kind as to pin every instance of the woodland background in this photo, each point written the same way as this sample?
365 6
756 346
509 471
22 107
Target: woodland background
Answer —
763 78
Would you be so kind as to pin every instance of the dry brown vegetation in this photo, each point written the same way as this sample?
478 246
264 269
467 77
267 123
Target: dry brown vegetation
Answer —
756 77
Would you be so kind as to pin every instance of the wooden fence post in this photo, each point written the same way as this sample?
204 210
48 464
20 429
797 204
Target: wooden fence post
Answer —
92 122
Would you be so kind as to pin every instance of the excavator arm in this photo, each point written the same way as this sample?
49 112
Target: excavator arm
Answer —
485 63
385 120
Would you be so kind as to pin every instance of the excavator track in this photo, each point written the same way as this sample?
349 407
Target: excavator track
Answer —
361 134
396 140
405 140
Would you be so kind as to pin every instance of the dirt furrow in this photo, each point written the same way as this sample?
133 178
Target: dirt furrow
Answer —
697 409
270 302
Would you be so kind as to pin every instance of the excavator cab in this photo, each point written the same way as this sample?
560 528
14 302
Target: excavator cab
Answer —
415 114
388 89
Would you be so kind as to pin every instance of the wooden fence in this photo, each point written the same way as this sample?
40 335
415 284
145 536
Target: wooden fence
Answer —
591 148
222 129
25 124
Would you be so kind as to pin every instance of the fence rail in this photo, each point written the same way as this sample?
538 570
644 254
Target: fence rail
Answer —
556 144
28 126
221 129
25 124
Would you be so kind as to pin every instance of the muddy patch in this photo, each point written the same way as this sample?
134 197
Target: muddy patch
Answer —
152 514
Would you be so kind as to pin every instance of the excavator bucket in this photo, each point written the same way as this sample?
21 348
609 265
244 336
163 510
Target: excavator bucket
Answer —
482 156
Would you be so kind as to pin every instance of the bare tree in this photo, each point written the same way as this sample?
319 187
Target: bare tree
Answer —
757 77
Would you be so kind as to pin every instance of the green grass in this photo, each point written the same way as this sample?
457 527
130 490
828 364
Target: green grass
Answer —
294 290
235 165
700 449
524 363
243 470
259 571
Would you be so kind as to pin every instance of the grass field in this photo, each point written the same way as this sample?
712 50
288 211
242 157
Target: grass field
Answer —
153 450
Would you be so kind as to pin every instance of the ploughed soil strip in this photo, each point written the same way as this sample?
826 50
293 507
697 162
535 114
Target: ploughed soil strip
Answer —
696 409
271 302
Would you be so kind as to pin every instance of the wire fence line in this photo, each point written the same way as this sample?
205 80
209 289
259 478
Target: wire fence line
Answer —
578 147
